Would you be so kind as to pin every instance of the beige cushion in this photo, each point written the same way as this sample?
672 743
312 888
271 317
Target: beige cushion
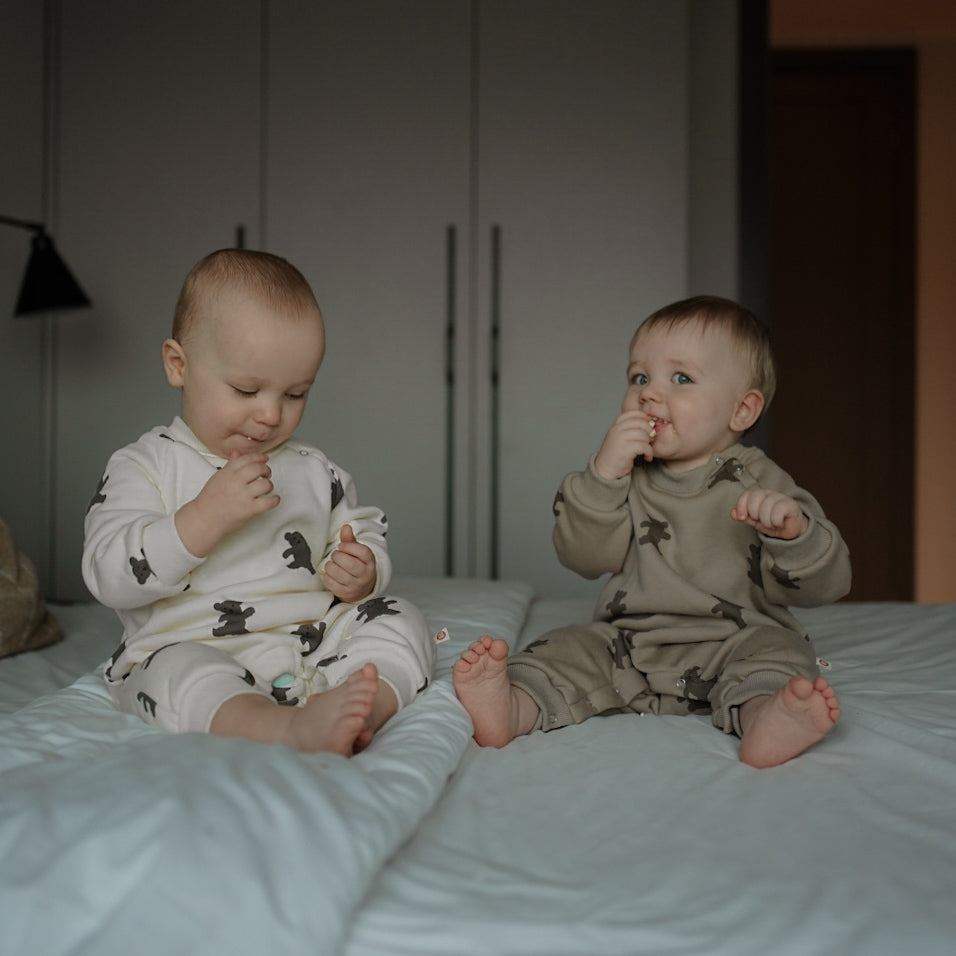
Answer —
25 622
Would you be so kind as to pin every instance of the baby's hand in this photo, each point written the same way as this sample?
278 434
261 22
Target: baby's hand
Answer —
771 512
236 493
350 571
628 438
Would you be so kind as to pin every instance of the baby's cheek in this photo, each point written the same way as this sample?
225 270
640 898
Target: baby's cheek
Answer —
631 401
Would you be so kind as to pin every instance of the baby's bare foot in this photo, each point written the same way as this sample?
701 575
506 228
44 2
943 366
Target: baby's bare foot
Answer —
384 708
780 727
481 682
334 720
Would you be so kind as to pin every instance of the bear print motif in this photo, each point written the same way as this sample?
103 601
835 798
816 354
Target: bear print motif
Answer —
729 470
375 607
99 497
616 606
656 533
621 648
338 492
783 578
141 568
116 656
232 618
299 551
311 636
729 610
754 571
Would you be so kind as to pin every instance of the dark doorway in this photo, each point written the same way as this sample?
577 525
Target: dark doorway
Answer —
842 299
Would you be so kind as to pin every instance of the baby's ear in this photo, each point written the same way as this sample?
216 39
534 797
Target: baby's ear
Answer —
747 411
174 361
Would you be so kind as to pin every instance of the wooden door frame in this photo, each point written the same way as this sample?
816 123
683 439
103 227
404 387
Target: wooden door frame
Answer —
896 68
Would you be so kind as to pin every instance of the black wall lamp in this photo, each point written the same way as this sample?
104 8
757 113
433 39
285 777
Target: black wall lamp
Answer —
47 283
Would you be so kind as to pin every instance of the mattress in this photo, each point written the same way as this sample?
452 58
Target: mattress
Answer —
629 834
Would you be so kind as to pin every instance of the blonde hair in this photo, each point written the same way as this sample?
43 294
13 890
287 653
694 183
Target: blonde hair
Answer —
750 335
269 278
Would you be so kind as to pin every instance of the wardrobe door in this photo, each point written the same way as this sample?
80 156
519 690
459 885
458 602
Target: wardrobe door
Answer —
157 158
367 192
22 338
583 200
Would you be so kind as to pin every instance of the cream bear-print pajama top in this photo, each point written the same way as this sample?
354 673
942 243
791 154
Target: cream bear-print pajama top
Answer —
253 616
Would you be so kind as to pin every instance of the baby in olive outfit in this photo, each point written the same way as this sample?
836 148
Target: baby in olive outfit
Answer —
707 543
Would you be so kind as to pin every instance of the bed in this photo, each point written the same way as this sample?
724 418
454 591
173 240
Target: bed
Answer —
625 834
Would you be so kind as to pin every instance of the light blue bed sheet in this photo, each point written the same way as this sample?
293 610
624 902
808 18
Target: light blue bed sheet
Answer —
645 835
626 834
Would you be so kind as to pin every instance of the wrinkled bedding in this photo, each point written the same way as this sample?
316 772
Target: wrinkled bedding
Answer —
645 835
119 838
624 834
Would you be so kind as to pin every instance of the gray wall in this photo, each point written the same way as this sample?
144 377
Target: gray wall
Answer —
107 384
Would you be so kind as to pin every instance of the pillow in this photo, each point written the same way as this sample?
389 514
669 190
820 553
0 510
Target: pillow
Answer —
25 622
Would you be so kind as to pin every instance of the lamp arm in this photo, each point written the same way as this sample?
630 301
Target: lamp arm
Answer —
22 223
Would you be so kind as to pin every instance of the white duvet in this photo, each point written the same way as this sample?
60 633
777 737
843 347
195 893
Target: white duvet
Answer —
117 838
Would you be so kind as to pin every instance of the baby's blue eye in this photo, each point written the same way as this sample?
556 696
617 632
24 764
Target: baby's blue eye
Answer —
639 379
679 378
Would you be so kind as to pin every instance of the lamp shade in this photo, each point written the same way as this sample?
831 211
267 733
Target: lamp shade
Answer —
48 283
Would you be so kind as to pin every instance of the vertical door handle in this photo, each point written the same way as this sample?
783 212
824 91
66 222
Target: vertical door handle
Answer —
495 363
451 282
